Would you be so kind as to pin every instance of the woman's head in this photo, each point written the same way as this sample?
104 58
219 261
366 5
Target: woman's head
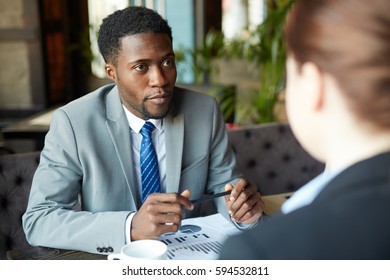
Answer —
350 40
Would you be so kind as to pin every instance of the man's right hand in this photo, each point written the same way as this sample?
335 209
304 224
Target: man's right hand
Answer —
160 213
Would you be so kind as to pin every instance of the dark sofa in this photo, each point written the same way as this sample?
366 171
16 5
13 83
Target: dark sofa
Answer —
268 155
16 172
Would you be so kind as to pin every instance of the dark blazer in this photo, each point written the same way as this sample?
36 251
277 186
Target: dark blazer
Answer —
350 219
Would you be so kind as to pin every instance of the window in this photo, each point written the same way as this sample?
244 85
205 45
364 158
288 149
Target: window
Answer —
97 11
241 15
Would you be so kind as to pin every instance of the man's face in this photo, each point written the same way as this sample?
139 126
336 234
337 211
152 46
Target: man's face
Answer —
145 74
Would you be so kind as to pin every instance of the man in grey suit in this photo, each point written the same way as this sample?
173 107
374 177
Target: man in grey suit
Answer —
92 150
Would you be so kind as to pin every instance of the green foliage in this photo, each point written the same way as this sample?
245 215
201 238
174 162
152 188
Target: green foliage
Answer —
265 47
262 47
226 97
202 57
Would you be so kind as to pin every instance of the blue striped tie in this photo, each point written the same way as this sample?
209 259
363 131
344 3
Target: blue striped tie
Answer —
150 176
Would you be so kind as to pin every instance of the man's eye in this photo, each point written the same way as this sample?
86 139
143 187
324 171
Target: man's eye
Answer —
168 62
141 67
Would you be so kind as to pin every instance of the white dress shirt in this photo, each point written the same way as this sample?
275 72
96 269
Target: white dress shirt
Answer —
158 138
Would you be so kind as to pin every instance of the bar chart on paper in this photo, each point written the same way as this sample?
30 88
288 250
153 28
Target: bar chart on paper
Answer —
198 238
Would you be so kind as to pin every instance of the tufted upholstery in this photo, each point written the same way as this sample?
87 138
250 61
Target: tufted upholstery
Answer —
270 157
267 154
16 172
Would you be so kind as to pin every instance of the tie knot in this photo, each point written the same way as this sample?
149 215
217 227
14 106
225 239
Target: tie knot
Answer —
147 129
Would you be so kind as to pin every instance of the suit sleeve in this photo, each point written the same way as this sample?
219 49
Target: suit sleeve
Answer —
222 166
50 219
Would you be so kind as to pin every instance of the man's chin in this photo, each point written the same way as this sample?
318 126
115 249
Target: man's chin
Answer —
156 115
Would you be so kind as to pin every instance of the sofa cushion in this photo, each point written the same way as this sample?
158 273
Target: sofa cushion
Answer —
16 173
270 157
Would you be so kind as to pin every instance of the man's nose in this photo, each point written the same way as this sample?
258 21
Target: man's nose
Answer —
157 77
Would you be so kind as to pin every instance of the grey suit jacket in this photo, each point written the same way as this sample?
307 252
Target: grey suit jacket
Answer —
87 158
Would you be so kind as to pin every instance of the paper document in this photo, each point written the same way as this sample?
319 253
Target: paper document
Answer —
199 238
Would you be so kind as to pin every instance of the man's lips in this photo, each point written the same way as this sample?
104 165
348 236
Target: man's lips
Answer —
159 98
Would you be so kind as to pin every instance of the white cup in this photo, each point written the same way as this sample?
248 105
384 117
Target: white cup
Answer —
142 250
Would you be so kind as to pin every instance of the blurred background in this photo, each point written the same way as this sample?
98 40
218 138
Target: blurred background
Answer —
232 49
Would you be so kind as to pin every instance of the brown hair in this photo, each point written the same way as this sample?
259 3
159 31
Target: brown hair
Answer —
350 39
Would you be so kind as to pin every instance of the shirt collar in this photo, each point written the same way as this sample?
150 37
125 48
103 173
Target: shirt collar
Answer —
307 193
137 123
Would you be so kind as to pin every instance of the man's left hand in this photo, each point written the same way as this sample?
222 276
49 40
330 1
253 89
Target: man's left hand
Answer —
244 203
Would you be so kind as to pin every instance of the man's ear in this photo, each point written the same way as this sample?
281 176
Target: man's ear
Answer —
111 72
314 85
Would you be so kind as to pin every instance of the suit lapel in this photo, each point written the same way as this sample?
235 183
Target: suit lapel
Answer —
119 130
174 138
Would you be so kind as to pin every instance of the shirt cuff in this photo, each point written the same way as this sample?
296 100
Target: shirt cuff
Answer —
244 226
129 219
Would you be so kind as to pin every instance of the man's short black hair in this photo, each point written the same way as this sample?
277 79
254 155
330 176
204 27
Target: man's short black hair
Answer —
129 21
